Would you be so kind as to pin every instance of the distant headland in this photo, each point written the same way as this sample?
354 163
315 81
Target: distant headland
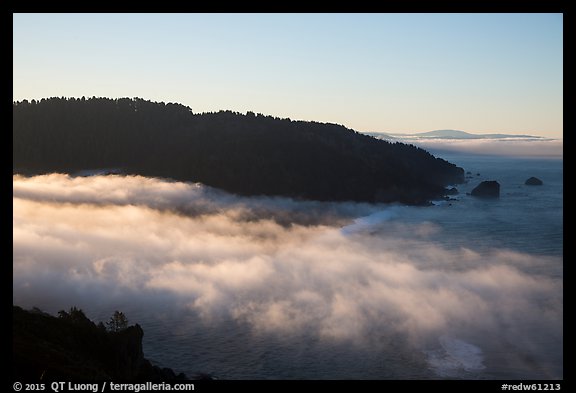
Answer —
246 154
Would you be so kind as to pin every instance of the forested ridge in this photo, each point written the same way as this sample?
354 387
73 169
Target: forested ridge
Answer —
247 154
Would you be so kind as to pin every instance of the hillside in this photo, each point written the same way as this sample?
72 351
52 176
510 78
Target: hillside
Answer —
71 347
248 154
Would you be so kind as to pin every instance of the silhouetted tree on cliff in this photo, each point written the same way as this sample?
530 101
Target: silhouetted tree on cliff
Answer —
118 322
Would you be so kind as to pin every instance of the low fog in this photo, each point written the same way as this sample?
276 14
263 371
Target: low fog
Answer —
510 147
339 271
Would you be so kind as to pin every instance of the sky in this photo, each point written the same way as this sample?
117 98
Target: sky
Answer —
480 73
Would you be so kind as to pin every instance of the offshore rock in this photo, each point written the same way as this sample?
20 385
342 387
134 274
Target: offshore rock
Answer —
533 181
487 189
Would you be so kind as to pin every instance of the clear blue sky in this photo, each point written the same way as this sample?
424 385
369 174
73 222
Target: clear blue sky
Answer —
370 72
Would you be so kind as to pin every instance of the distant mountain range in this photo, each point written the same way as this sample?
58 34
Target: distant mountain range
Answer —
449 134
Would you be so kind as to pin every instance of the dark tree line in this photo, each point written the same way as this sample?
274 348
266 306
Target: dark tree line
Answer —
248 154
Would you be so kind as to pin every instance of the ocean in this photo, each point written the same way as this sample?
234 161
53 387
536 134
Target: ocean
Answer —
465 289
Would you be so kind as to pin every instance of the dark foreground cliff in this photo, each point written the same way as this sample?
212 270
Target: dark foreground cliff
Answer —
74 348
249 154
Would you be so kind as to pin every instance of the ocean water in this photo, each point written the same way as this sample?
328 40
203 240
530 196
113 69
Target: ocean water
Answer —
466 289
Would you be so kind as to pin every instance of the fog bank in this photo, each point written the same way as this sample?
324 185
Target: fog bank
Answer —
345 272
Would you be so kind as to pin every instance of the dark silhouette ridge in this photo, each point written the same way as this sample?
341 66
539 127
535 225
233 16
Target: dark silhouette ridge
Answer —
248 154
71 347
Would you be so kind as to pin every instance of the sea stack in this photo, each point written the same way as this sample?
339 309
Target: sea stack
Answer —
533 181
487 189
